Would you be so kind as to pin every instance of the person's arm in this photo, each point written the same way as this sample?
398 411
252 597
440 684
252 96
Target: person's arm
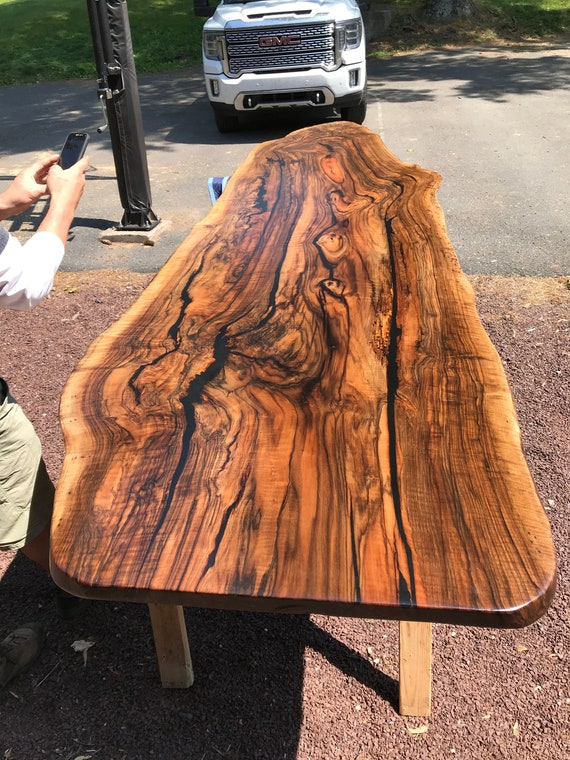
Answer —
65 188
27 272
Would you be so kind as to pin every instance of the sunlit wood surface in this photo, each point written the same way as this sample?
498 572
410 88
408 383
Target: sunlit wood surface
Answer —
303 413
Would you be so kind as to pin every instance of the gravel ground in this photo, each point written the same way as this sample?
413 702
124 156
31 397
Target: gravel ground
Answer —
270 686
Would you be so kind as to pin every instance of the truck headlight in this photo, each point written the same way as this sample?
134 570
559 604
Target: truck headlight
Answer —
213 45
349 34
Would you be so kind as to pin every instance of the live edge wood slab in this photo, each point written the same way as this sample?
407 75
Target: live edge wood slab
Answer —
303 413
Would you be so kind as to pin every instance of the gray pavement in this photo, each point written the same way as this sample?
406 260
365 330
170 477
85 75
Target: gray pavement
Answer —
494 123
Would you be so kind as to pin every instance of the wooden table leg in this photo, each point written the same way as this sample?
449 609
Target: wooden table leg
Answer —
415 668
171 642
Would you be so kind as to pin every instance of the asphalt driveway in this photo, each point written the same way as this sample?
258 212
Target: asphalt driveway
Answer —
495 123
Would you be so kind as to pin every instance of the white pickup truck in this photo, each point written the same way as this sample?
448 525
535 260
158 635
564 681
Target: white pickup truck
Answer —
274 54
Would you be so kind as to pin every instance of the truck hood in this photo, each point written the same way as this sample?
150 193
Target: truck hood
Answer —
261 12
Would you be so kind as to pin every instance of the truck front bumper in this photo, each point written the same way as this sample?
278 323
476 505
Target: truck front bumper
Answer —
314 87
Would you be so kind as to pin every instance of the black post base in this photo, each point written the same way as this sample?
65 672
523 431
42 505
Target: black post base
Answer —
139 220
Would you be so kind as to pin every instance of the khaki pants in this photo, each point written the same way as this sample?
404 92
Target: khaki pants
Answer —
26 492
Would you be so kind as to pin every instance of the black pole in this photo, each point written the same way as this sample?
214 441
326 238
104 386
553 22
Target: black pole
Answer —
118 91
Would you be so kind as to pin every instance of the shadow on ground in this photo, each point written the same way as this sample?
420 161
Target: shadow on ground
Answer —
246 701
175 108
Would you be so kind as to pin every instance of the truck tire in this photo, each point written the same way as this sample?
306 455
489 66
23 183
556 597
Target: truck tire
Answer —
354 113
226 121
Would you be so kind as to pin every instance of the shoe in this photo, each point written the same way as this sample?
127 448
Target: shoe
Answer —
68 606
18 650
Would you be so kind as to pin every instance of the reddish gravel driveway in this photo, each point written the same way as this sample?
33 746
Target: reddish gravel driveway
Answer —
275 687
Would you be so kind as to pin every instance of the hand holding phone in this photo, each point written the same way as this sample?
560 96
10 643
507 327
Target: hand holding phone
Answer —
73 149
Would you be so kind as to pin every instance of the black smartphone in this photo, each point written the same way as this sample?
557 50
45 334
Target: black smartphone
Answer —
73 149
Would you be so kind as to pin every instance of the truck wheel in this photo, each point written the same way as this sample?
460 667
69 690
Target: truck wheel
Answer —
226 121
354 113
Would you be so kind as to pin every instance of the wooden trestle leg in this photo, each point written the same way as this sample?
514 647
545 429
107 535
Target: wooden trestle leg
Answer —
172 648
415 668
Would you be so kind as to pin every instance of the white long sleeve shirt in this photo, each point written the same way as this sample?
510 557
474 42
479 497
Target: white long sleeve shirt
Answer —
27 271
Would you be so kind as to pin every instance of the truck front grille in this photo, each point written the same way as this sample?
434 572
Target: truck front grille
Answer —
280 47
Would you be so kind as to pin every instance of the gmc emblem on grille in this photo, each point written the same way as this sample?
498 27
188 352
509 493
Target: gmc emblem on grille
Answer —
282 41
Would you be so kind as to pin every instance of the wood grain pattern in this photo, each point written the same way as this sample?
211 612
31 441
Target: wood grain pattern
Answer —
302 412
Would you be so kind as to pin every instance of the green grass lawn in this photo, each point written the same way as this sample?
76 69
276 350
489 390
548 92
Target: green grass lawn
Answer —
51 39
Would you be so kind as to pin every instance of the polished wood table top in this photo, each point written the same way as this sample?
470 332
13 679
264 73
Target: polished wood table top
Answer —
303 412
